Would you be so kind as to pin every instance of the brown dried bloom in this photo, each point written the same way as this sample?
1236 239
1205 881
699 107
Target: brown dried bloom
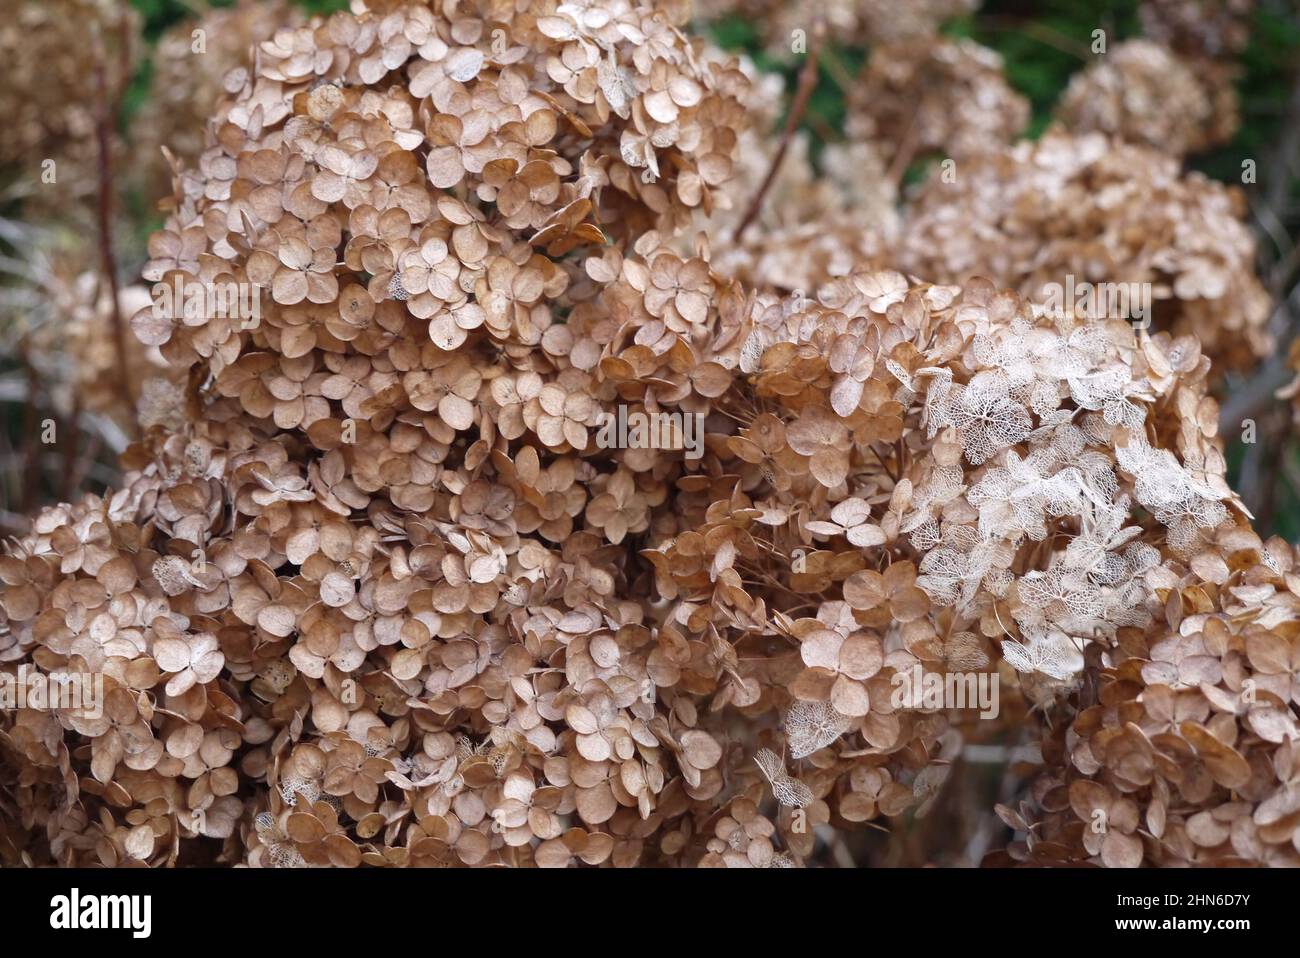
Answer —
1143 93
958 468
814 224
50 116
195 63
1112 213
82 327
1213 29
933 96
1186 757
509 533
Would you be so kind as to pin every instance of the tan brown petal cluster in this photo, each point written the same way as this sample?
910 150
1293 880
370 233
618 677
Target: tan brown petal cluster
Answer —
195 62
887 22
1211 29
926 96
49 100
421 649
1111 212
814 223
59 307
1141 92
1185 754
413 583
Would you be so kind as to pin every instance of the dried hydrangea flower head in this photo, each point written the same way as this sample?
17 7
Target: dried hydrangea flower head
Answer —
1200 29
48 106
890 407
79 330
401 591
927 95
1115 213
815 223
59 315
573 129
1143 93
887 22
195 62
1187 753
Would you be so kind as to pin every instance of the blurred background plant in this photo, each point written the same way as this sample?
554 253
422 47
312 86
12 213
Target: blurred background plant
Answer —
885 129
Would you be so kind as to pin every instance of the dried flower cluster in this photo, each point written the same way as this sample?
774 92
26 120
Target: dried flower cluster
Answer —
500 673
814 224
1185 753
1199 29
82 331
380 588
56 312
49 102
1099 210
1143 93
887 22
1207 36
192 67
930 96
